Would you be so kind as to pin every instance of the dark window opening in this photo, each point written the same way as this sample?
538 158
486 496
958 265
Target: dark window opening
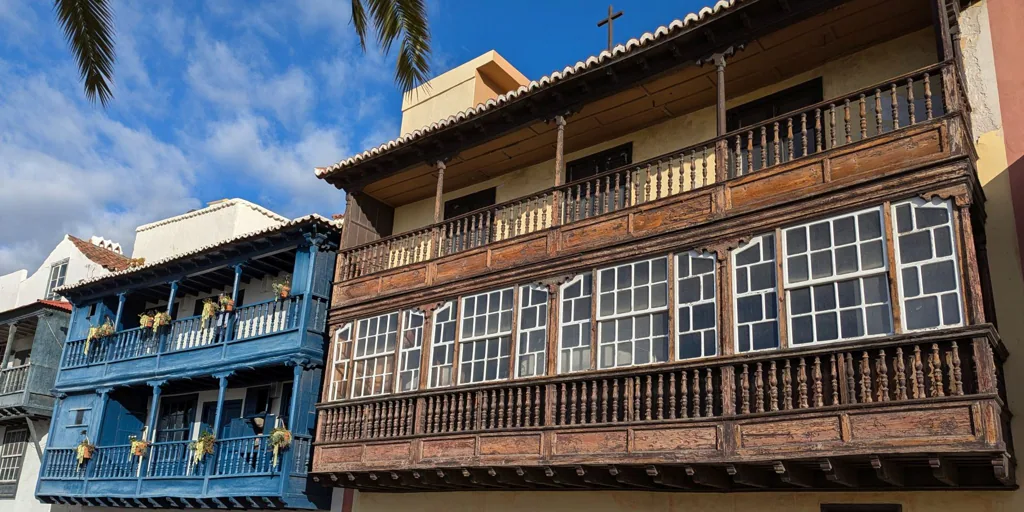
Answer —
176 416
599 162
469 202
763 109
774 105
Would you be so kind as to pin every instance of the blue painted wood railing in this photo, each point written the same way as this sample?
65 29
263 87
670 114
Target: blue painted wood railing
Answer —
239 456
260 319
13 380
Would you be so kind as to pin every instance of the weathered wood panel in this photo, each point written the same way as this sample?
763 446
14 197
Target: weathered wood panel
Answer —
406 279
386 452
675 439
923 425
769 186
521 253
587 443
448 448
790 433
522 444
462 265
352 291
673 215
575 238
887 156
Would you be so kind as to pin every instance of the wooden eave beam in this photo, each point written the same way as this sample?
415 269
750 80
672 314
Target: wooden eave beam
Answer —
709 476
945 471
748 475
887 471
669 477
792 474
838 472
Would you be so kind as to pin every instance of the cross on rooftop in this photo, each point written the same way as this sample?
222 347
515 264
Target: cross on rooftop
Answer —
612 16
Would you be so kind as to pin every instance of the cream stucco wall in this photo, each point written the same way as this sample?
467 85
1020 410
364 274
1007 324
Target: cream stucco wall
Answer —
841 76
207 226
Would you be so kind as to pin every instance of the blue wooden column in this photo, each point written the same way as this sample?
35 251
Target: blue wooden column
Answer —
153 410
230 317
120 310
297 370
218 419
170 312
104 393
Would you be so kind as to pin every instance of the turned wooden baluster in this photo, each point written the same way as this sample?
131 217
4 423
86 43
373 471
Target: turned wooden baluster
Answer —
801 384
759 388
744 391
882 376
628 199
927 96
773 387
910 100
865 379
615 400
684 395
573 397
775 144
738 164
709 390
878 111
647 399
492 407
445 414
817 130
636 399
517 417
846 120
851 381
789 139
819 398
901 374
657 181
696 393
693 169
704 163
863 117
535 407
787 387
956 378
764 147
919 391
592 406
935 373
895 108
803 134
835 380
750 151
672 396
832 125
604 401
661 396
562 406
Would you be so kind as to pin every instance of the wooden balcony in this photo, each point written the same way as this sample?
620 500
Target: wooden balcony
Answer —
25 391
881 138
918 411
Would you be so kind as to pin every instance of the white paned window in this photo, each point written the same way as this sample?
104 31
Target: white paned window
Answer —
374 362
754 291
411 348
442 347
574 335
929 280
533 331
58 273
485 337
836 278
632 313
342 356
696 313
11 454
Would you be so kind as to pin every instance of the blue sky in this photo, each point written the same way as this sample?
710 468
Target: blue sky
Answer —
232 99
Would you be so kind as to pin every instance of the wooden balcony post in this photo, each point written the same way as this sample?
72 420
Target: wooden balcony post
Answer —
104 393
985 364
721 146
435 234
556 197
728 390
11 332
969 256
150 432
121 296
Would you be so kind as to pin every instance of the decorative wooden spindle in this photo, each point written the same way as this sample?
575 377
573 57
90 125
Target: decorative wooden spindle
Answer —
918 373
846 120
615 400
538 405
787 387
773 387
672 395
661 396
878 112
862 101
764 147
956 378
709 394
738 159
819 395
572 403
817 130
684 395
935 372
775 143
865 379
561 404
636 399
745 391
704 167
851 382
882 378
759 388
696 394
832 125
693 169
910 100
789 138
670 171
647 399
517 418
750 151
592 406
901 374
895 108
927 96
618 188
803 134
647 184
801 384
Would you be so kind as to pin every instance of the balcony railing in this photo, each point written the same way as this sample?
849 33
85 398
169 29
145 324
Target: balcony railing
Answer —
884 108
247 322
240 456
826 377
14 379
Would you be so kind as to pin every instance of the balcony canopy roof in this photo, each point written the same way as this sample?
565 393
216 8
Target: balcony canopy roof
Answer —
639 84
255 250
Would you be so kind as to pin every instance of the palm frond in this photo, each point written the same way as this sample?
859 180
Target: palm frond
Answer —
89 30
394 20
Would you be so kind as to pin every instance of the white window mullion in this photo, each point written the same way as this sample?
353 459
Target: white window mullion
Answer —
574 343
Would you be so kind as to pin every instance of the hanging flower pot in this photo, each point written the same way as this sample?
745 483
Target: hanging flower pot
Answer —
210 309
139 446
97 332
161 319
84 451
146 320
202 447
280 438
226 303
282 286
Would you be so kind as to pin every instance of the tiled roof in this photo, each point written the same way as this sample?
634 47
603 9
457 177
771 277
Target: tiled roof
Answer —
212 208
592 62
32 308
314 218
108 259
56 304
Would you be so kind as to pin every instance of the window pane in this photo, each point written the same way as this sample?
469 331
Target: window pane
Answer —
442 345
532 332
696 307
412 342
574 342
374 364
929 277
635 305
754 287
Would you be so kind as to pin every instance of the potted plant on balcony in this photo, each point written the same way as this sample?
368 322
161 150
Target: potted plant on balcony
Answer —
282 286
84 450
202 446
161 319
226 303
280 438
98 331
146 320
210 309
139 446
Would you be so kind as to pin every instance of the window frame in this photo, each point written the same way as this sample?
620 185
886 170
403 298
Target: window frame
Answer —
341 359
736 296
356 359
649 311
675 305
953 256
542 325
17 458
589 323
61 268
461 340
788 287
450 345
403 352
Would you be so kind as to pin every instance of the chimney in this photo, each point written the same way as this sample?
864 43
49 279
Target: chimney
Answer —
109 245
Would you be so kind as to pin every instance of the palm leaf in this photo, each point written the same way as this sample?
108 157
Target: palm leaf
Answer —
89 30
393 20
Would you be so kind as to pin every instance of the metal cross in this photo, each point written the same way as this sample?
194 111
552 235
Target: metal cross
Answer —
612 16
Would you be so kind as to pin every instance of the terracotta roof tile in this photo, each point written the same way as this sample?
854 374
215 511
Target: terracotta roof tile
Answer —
108 259
56 304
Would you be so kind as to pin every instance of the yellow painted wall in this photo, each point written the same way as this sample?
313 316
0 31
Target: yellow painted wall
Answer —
859 70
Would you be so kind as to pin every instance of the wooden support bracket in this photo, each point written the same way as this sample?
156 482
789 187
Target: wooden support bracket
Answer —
792 474
887 471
